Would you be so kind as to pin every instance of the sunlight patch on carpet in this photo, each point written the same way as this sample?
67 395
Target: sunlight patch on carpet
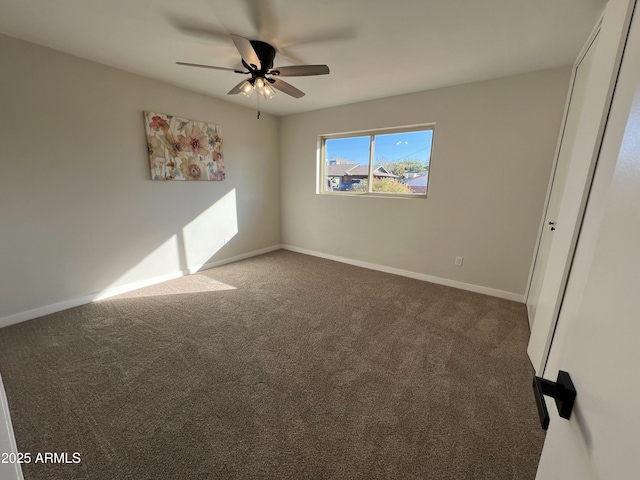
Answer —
179 286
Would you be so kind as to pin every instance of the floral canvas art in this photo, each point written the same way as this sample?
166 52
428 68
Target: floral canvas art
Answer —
181 149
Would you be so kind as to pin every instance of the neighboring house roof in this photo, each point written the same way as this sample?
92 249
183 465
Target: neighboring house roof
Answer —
380 171
361 170
352 169
340 169
418 181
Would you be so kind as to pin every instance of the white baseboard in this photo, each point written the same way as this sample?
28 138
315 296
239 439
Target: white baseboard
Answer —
516 297
110 292
45 310
8 471
237 258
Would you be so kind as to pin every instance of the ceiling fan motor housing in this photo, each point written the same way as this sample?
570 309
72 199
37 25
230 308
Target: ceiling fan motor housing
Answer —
266 53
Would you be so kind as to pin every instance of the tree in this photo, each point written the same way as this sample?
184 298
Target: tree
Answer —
382 185
402 167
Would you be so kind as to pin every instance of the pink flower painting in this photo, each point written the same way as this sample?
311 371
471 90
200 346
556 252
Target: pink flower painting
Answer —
158 123
181 149
195 141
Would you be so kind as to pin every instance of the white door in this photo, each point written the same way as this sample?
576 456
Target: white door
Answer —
590 123
566 143
598 330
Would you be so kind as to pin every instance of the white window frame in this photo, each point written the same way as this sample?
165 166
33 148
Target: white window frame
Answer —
322 177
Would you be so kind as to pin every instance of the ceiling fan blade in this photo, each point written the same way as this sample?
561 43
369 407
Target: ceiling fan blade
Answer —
327 35
261 15
285 53
237 89
286 88
300 70
209 66
246 50
194 27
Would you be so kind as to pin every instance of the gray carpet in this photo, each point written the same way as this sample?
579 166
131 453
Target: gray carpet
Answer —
283 366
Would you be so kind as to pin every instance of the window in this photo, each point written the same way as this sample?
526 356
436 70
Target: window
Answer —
381 162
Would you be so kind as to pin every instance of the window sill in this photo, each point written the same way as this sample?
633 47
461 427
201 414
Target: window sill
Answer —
376 195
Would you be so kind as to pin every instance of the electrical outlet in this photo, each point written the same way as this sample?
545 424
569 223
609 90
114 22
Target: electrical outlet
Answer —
458 262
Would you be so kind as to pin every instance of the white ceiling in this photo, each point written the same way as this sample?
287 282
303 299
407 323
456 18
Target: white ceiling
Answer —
374 48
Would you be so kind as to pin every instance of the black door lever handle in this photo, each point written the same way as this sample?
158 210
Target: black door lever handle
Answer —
562 391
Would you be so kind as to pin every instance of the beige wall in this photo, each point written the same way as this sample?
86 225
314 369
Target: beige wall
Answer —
79 214
492 155
78 211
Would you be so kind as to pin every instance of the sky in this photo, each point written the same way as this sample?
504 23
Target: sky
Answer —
393 146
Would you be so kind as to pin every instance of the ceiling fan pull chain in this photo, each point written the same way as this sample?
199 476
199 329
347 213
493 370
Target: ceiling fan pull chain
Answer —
258 98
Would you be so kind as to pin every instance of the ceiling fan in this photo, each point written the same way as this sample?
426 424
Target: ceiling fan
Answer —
257 58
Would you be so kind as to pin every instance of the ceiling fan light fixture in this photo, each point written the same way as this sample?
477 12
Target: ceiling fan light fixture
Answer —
259 84
247 88
267 91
